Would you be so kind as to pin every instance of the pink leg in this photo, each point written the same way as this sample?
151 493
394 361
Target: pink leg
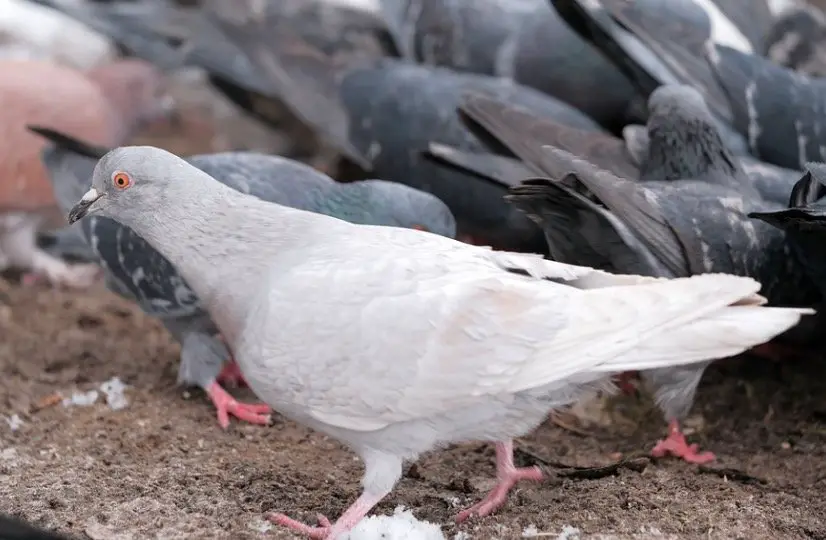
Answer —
30 279
226 405
507 475
676 445
231 375
347 521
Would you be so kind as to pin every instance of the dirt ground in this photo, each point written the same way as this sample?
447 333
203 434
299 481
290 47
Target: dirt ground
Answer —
162 468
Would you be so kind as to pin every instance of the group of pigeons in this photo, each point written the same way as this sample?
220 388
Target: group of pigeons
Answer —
600 187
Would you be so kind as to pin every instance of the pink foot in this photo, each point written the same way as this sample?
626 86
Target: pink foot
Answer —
231 375
676 445
226 405
623 381
297 526
30 279
347 521
507 475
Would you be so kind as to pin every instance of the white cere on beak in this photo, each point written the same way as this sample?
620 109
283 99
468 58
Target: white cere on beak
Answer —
90 196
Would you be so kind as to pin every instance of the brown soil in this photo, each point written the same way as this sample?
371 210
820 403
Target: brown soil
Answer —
162 468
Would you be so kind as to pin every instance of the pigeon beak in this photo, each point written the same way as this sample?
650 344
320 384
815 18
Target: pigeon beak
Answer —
83 205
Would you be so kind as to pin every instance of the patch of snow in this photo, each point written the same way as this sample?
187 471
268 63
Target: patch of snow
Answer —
260 525
113 390
402 525
569 533
15 422
81 399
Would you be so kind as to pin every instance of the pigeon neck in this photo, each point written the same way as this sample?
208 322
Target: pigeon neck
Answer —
222 243
690 152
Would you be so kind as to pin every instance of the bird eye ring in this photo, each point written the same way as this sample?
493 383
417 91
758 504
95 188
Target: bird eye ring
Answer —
121 180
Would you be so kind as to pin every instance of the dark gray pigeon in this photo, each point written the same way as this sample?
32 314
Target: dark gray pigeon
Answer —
135 270
686 145
781 113
524 40
804 222
657 43
669 228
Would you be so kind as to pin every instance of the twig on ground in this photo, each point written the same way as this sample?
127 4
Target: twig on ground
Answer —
728 473
635 462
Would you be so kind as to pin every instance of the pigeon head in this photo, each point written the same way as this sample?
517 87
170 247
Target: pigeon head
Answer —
677 102
129 180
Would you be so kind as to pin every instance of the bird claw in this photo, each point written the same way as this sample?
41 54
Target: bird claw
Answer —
676 445
258 413
499 494
320 532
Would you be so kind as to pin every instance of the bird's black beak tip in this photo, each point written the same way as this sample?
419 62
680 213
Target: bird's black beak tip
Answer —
77 212
82 207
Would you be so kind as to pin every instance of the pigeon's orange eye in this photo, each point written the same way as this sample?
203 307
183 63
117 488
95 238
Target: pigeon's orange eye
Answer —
121 180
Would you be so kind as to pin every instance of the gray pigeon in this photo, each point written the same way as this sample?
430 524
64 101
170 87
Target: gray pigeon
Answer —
685 145
135 270
804 222
657 43
672 228
397 341
781 113
525 41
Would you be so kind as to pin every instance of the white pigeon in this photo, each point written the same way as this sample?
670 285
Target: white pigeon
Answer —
399 341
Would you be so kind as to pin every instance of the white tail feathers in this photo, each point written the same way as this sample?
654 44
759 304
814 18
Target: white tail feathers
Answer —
656 324
729 332
725 318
